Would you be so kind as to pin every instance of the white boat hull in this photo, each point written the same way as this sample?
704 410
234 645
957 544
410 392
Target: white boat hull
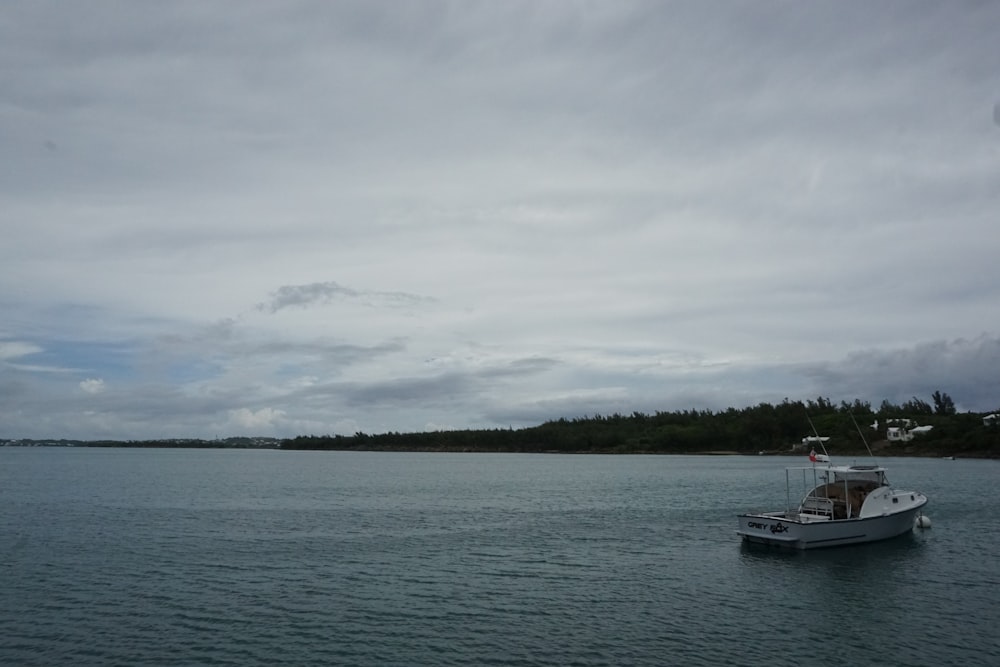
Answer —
793 530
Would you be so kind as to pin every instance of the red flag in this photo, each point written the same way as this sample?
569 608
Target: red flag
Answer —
812 456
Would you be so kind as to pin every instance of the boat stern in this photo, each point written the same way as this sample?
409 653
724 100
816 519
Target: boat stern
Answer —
773 528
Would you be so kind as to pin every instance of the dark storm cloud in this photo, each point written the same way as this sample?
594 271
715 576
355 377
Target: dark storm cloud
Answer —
965 369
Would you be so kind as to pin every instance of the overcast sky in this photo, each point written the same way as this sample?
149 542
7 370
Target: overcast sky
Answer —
282 218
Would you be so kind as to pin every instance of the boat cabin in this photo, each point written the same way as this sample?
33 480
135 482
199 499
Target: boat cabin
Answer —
839 492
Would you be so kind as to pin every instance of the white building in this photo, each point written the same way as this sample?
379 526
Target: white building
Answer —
905 433
898 434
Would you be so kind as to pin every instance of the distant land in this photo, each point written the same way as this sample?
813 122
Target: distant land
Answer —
191 443
918 429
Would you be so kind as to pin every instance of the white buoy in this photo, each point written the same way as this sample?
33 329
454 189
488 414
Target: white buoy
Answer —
923 521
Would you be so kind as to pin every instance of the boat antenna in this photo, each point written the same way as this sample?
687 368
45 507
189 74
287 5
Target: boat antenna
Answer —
816 433
861 433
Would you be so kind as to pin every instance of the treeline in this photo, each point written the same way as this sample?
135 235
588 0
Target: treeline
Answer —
172 443
192 443
773 429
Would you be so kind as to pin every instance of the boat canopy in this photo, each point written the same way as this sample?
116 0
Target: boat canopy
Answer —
868 473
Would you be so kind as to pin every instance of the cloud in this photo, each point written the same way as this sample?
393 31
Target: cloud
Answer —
303 296
92 385
15 349
255 421
48 361
963 368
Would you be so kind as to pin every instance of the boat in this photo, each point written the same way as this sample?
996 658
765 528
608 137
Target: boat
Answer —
842 505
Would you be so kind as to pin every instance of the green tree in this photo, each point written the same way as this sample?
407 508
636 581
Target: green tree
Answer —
943 405
917 407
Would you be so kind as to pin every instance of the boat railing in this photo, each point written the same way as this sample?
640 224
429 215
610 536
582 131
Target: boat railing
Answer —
817 505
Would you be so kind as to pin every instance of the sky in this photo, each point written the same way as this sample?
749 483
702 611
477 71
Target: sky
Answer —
287 218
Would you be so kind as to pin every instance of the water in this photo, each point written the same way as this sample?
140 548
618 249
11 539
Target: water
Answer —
242 557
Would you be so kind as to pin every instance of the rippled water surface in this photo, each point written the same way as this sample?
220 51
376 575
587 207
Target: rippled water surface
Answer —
242 557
